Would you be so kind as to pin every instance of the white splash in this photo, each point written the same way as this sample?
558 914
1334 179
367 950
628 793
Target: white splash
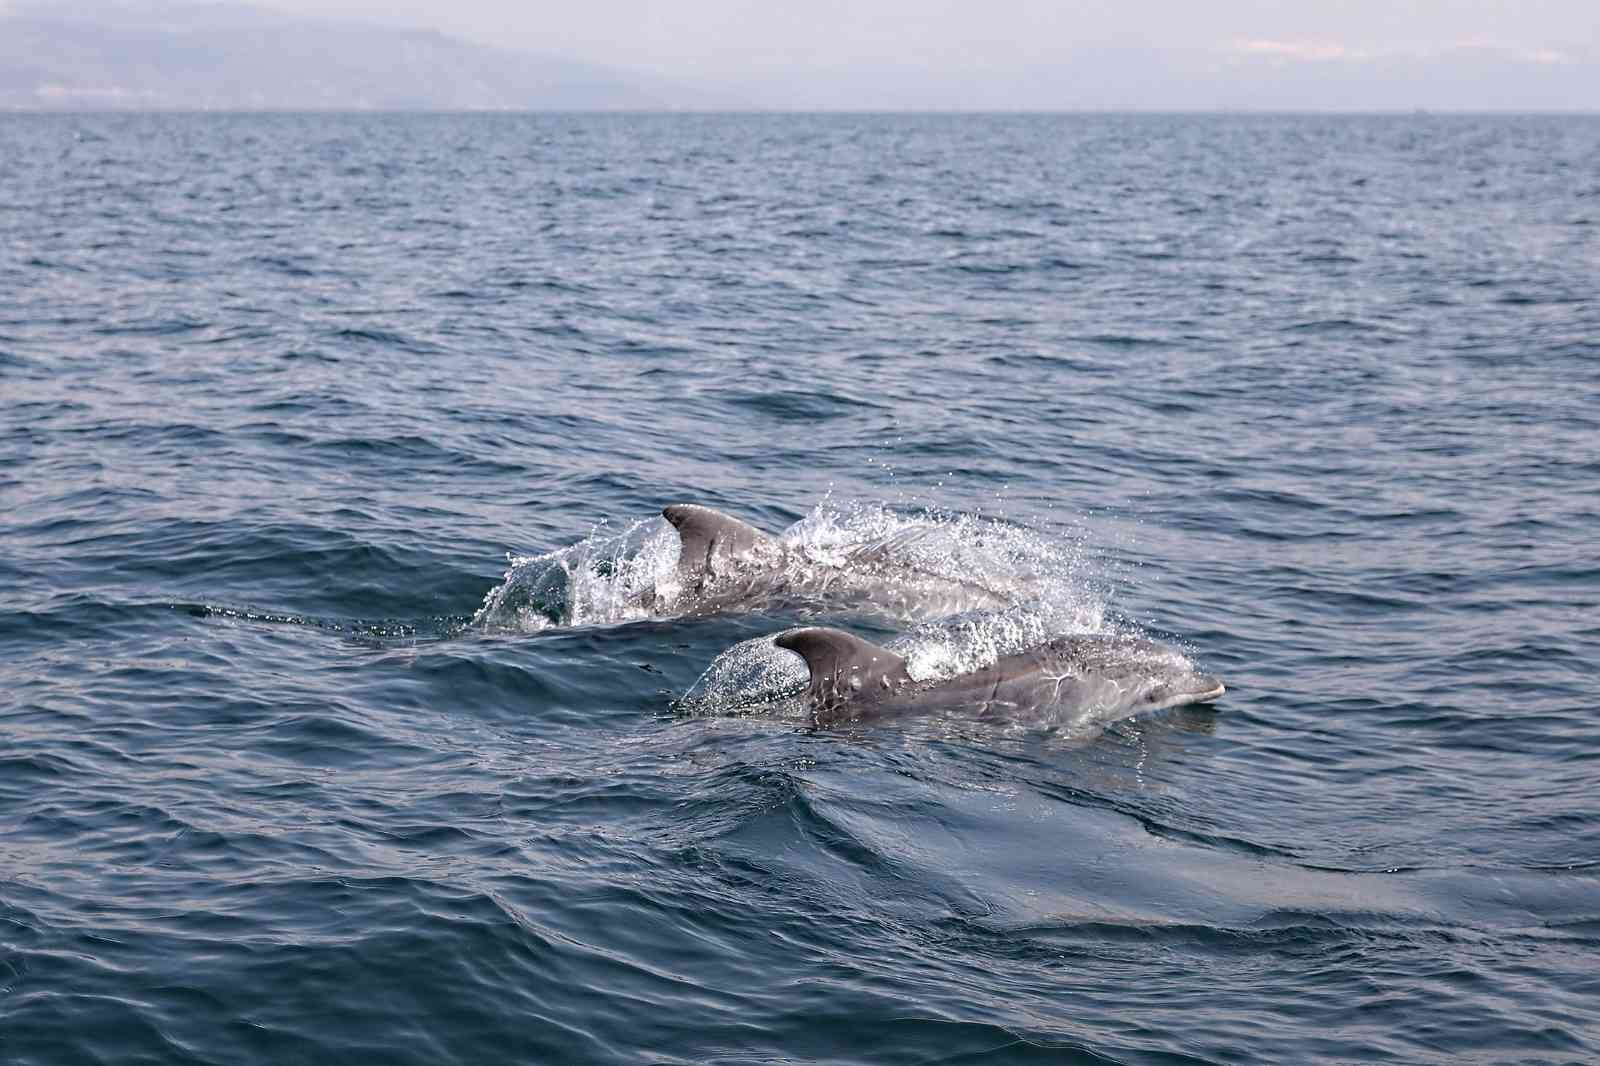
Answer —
907 567
751 676
607 577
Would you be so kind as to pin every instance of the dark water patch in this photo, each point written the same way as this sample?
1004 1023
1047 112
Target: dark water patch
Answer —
796 406
299 355
288 266
240 335
154 328
1126 342
38 263
1335 326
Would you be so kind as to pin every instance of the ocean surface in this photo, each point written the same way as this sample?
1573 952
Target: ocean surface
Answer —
333 727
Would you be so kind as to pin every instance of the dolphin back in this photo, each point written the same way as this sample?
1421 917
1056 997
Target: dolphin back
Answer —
712 541
844 667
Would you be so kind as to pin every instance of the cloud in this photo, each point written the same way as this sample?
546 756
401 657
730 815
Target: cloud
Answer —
1312 51
1520 52
1281 52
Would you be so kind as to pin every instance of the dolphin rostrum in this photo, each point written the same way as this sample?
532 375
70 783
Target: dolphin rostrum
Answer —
725 564
1108 676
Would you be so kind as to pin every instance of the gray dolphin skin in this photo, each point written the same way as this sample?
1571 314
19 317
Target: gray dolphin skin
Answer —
716 546
725 564
1111 676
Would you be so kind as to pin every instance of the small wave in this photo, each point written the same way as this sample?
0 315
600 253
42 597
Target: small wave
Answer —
1121 340
158 328
39 263
386 339
797 405
1334 325
286 265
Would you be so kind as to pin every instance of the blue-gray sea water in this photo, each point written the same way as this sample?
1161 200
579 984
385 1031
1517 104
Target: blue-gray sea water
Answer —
304 758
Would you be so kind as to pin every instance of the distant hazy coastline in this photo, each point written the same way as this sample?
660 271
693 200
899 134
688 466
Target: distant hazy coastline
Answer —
160 56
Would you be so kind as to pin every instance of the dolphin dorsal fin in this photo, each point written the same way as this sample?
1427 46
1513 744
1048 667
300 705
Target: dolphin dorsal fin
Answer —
844 667
710 538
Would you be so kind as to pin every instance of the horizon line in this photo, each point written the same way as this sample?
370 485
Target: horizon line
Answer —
1419 112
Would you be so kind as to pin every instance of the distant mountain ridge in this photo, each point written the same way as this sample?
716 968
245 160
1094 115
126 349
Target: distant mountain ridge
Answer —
68 55
156 55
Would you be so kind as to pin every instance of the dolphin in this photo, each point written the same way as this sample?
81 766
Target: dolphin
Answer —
1105 676
718 549
725 564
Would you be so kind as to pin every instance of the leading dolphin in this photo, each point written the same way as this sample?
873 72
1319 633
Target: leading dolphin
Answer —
1106 676
725 564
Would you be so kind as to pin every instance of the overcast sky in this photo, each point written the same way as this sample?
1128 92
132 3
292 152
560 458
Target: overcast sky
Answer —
1177 54
1130 53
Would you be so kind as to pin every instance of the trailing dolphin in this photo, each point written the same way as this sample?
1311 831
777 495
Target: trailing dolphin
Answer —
1105 677
701 561
725 564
